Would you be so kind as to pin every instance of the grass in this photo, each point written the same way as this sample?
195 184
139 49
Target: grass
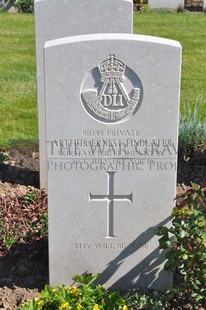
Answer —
18 117
190 30
18 103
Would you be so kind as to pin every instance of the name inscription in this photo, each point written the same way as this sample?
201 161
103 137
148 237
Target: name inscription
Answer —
112 150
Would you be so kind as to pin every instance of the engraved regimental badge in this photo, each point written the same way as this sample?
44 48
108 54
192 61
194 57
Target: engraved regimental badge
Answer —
111 92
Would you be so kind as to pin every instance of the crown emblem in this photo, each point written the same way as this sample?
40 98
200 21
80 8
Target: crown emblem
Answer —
110 101
112 68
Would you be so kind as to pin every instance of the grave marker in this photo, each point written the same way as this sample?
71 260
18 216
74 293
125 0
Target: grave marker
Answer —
57 19
168 4
115 154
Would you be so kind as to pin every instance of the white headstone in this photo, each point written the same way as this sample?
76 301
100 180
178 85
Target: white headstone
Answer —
112 105
169 4
62 18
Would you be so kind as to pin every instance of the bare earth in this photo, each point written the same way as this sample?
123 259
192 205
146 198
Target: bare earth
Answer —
24 269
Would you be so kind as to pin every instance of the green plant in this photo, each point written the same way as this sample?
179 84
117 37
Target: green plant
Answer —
86 297
136 299
35 205
187 253
26 6
180 9
145 9
192 128
9 240
3 157
23 219
29 197
140 1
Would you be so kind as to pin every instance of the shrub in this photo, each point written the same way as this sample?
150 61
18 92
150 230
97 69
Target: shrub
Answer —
24 6
187 254
136 299
86 297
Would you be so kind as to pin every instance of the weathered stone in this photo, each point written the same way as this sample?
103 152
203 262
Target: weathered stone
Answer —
170 4
112 107
56 19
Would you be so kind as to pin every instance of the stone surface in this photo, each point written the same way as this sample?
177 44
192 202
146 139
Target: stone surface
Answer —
62 18
112 119
170 4
12 9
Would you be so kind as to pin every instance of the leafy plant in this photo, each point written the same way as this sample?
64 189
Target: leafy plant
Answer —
29 197
23 219
86 297
187 253
26 6
136 299
145 9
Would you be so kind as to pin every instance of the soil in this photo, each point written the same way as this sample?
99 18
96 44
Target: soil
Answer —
24 269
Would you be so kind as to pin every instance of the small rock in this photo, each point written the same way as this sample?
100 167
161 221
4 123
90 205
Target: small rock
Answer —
35 155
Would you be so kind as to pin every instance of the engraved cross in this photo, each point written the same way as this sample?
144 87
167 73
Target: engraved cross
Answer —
110 197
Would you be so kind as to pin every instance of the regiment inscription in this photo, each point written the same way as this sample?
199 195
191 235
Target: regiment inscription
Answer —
110 102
